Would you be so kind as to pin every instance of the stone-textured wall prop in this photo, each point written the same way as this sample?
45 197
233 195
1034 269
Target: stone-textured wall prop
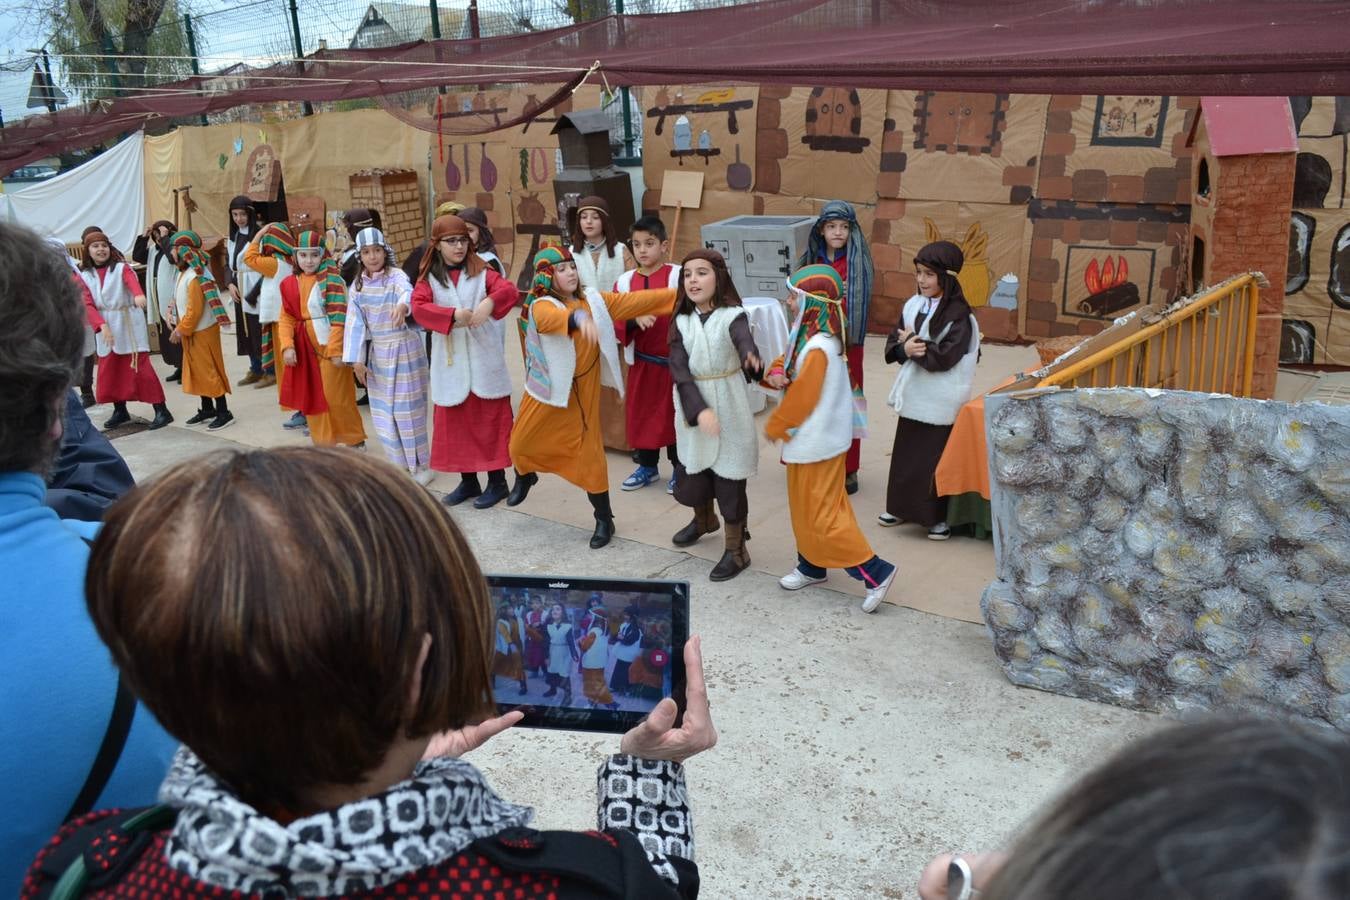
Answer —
1171 550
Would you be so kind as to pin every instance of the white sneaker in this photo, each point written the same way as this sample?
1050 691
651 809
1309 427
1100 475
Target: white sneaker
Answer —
939 532
796 580
877 594
423 476
886 520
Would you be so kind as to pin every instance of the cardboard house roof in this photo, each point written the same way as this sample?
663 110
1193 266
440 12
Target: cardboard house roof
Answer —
1247 126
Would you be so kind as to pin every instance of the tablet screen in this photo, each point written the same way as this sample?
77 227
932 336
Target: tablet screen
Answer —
587 654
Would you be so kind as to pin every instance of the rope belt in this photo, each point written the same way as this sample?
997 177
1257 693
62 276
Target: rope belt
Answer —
717 376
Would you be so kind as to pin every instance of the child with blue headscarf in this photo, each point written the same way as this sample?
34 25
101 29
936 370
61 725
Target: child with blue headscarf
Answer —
837 241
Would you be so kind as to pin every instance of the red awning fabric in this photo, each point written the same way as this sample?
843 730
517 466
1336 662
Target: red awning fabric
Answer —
1160 47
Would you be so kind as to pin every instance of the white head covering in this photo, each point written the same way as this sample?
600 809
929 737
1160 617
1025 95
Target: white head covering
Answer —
370 237
65 253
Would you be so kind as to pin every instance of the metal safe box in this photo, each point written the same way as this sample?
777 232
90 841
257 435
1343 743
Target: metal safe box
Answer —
761 251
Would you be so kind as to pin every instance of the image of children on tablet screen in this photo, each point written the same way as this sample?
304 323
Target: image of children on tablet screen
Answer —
582 649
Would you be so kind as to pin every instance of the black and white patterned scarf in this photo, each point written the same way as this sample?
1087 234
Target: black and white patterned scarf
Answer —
421 822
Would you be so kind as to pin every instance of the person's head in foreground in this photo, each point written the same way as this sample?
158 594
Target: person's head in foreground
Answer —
1222 809
41 348
327 649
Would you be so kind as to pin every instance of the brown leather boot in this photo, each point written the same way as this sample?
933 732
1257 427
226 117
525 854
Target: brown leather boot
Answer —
705 522
735 559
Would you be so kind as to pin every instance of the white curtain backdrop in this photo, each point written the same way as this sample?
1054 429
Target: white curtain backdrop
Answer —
108 191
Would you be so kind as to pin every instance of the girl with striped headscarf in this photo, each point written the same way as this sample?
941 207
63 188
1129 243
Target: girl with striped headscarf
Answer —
200 315
570 349
816 422
309 336
271 255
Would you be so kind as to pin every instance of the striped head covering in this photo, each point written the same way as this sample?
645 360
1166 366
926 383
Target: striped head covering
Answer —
329 276
277 239
857 294
545 262
818 289
186 247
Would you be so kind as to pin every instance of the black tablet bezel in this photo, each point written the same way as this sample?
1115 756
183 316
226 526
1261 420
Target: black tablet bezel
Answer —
603 720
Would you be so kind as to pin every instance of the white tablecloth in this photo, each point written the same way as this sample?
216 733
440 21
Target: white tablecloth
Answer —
769 325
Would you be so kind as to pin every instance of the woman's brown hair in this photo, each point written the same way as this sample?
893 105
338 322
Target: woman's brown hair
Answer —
269 608
725 293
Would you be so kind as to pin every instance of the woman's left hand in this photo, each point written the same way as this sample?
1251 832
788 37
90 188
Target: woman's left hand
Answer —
139 300
915 348
470 737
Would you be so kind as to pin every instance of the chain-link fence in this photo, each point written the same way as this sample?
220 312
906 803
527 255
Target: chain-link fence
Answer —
230 44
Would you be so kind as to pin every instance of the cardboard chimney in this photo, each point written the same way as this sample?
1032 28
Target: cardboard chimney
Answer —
588 166
1242 175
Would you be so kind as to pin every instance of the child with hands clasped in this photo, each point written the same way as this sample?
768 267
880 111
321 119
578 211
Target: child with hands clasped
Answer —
115 308
816 422
463 301
310 334
649 410
712 357
384 348
937 345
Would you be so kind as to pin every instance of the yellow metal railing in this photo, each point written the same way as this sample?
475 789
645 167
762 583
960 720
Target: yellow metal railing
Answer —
1207 344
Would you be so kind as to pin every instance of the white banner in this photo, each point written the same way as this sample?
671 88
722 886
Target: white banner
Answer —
108 191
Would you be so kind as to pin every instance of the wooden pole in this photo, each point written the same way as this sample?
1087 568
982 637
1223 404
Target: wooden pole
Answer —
675 233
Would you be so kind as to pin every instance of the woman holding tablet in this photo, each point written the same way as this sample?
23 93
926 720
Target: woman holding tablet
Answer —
328 716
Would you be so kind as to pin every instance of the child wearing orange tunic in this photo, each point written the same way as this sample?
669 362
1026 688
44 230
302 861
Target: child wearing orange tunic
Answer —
200 314
310 332
816 423
570 349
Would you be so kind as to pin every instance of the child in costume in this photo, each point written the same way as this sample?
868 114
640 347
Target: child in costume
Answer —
122 341
937 345
600 256
562 653
508 662
649 411
816 421
837 241
481 235
245 286
570 351
152 250
627 647
536 640
712 354
310 335
200 314
463 302
272 255
384 347
594 646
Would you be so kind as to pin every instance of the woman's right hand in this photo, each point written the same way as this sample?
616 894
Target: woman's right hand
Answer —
360 371
105 331
656 738
587 329
915 347
288 356
708 424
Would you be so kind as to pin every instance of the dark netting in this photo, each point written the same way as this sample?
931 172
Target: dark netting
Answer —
1160 47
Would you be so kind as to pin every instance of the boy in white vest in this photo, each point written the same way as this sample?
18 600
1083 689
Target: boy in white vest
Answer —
649 410
161 275
463 303
122 341
570 349
816 423
712 359
937 345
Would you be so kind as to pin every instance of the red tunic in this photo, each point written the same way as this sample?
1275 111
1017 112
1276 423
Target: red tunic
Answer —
475 435
303 387
122 377
649 408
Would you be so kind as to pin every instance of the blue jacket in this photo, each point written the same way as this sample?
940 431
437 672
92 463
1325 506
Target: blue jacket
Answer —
58 683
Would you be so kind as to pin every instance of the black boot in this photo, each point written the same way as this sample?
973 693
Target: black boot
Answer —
205 414
176 376
735 559
496 490
468 489
604 519
224 417
851 483
522 488
119 417
162 416
704 522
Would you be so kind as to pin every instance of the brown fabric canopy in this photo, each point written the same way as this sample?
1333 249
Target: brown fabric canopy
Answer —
1158 47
